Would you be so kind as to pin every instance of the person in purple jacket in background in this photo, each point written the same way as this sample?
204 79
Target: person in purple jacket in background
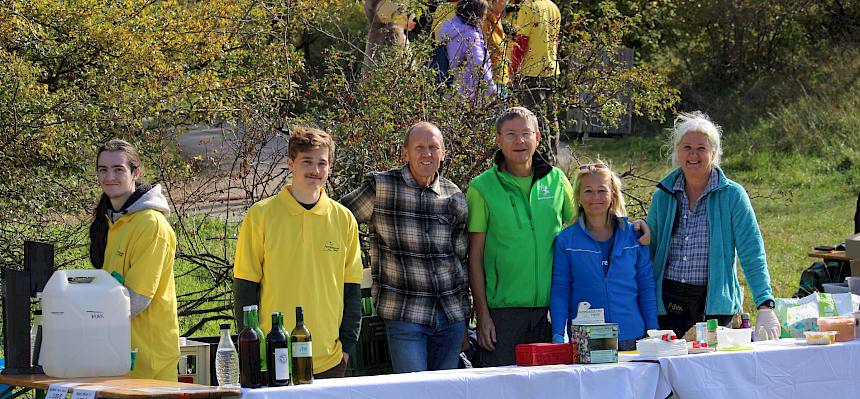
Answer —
467 52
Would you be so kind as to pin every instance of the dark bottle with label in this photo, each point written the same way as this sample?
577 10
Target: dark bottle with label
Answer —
278 352
249 353
302 351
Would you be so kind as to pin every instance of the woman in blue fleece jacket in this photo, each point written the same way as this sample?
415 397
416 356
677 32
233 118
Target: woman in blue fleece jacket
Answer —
599 260
701 222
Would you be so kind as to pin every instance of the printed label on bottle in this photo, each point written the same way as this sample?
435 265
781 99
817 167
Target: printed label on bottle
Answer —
302 349
282 364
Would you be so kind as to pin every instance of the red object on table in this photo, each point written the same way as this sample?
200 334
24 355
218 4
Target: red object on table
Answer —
543 354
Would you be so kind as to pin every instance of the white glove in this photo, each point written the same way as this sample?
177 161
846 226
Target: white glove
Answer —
766 325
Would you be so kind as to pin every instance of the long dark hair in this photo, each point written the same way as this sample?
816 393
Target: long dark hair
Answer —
99 226
471 11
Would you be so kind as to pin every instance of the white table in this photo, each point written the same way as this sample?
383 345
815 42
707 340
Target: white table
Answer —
622 380
787 368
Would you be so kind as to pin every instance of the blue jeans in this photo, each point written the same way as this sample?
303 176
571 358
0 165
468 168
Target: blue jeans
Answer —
419 347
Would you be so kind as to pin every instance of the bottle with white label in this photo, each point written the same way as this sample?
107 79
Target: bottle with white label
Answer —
303 363
278 352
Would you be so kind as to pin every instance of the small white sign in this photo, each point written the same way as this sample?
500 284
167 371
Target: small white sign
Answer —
84 393
59 390
586 315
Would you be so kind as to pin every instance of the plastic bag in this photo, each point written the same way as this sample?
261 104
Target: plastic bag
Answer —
797 315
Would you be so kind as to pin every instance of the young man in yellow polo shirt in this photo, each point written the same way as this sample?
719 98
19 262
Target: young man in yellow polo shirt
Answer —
300 248
130 235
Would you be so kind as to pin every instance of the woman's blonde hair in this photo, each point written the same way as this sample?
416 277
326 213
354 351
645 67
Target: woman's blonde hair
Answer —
617 207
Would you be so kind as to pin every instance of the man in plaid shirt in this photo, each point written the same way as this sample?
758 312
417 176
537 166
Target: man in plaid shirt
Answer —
417 224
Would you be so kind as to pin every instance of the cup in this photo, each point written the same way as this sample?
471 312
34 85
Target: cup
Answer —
853 284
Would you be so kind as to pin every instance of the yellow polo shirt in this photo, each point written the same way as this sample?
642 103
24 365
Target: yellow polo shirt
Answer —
141 247
302 258
540 20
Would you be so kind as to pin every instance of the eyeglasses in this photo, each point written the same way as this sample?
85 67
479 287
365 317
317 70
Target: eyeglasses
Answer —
514 136
591 166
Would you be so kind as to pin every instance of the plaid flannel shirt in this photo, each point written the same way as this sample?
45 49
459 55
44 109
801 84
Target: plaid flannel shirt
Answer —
418 245
688 254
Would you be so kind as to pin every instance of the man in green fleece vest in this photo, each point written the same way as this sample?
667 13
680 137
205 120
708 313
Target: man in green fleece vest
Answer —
516 208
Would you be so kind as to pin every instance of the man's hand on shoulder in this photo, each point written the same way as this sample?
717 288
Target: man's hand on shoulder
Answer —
640 225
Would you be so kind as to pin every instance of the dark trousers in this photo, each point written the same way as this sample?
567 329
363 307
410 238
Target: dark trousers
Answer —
515 326
685 306
338 371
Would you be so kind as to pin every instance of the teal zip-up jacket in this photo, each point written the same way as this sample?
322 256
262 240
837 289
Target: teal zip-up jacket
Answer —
734 233
518 247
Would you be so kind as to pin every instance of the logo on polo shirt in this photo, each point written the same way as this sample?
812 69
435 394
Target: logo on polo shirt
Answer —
120 253
330 247
543 192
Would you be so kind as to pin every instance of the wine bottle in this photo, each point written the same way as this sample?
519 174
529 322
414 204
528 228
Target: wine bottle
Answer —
249 353
259 331
303 362
278 352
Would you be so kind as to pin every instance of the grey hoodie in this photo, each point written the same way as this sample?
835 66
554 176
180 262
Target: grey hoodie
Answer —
151 199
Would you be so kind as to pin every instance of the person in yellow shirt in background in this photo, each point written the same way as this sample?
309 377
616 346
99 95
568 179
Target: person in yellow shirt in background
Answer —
300 248
498 46
130 235
534 63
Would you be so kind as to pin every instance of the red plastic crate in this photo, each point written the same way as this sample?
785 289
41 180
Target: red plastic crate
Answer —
543 354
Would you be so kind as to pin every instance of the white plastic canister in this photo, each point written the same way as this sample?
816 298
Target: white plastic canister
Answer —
85 325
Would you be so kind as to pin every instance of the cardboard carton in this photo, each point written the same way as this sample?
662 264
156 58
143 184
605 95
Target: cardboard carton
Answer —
852 246
855 267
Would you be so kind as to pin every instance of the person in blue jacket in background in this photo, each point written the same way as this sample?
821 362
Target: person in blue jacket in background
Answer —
599 260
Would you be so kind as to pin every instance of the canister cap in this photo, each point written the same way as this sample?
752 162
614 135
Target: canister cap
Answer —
712 324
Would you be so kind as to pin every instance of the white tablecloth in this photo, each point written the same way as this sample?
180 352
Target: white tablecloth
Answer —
786 368
622 380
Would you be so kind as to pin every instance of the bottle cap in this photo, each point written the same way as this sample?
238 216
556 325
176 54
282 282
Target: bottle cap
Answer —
712 324
224 326
253 307
247 308
745 316
275 313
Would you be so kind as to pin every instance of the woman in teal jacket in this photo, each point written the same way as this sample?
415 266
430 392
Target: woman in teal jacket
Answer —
701 222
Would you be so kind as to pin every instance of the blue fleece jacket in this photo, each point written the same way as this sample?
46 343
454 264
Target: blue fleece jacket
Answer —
734 233
626 293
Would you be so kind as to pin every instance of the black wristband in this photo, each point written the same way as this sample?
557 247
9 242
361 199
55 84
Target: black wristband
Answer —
769 303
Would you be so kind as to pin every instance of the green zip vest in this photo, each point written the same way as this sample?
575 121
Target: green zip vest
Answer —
520 235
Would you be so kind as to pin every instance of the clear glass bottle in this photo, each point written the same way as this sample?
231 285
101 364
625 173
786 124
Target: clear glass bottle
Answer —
226 360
